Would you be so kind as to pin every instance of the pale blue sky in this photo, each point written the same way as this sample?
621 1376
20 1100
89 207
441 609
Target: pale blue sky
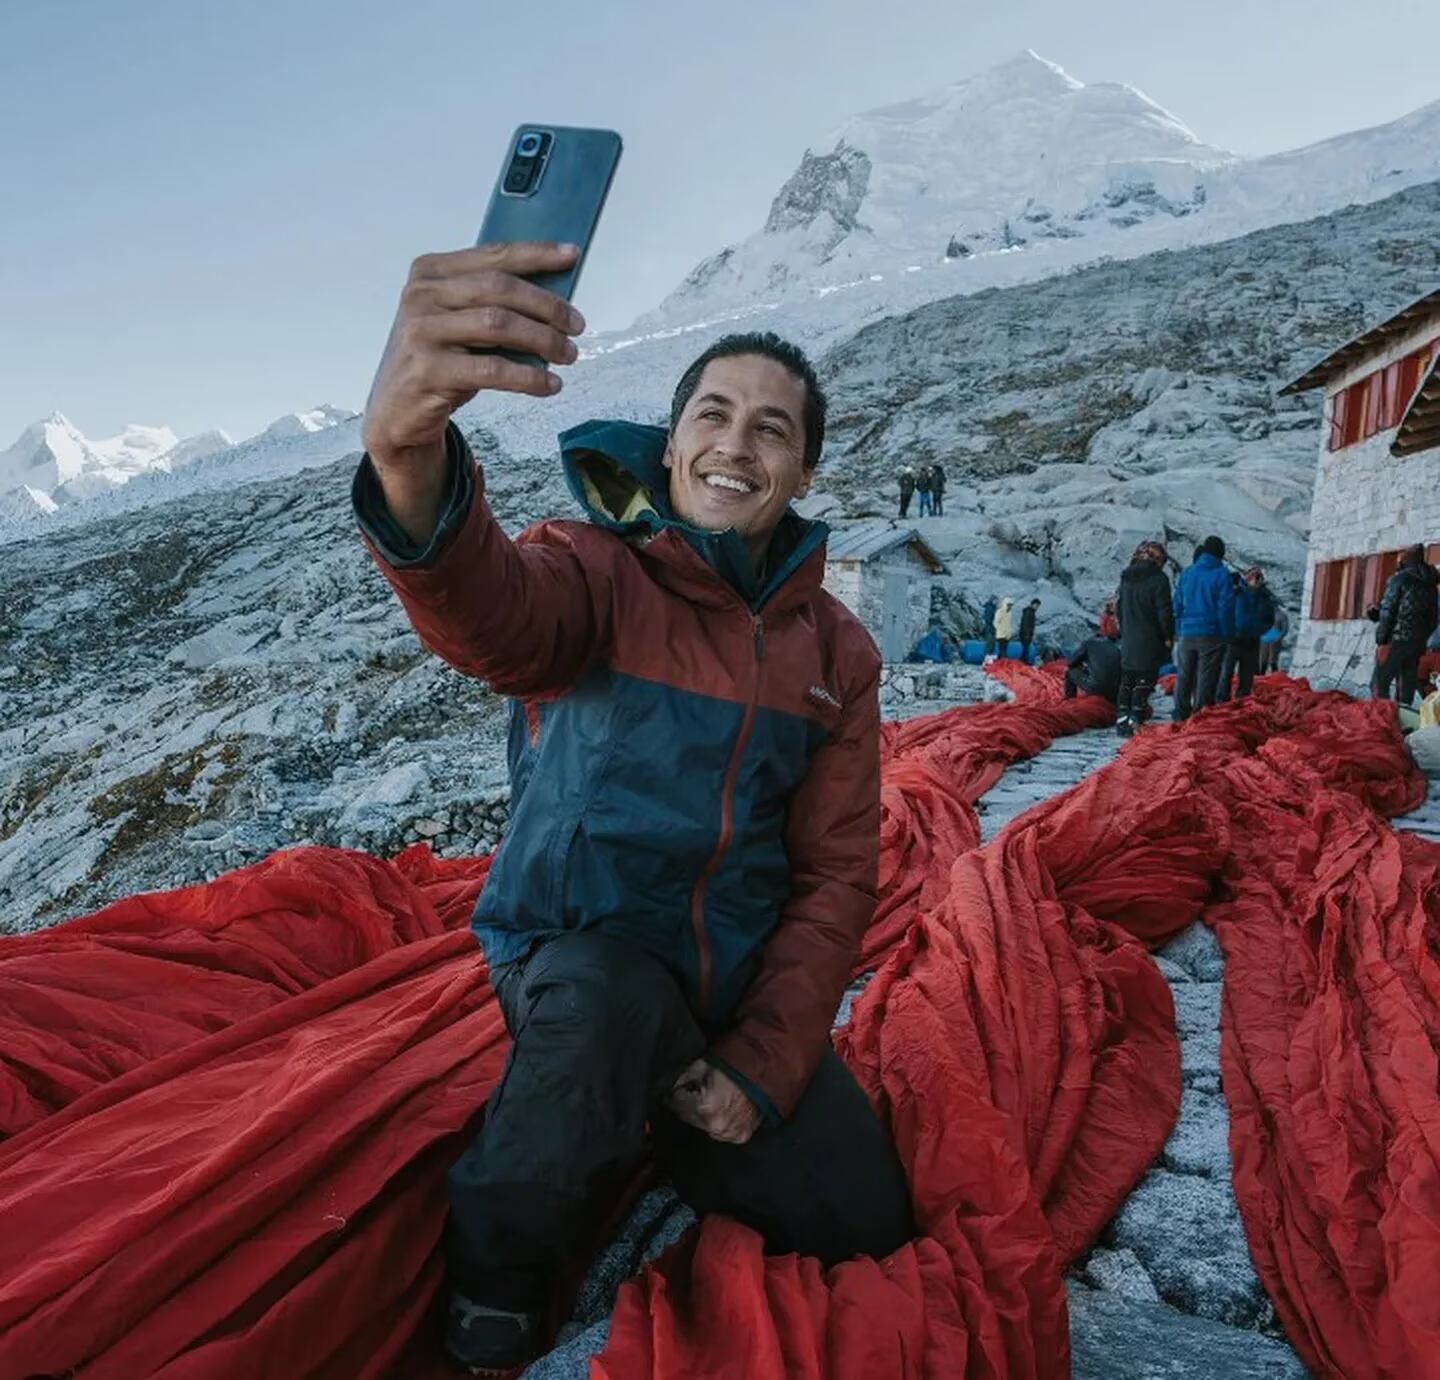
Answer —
207 207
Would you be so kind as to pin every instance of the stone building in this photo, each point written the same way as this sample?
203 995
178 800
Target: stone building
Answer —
1377 485
882 573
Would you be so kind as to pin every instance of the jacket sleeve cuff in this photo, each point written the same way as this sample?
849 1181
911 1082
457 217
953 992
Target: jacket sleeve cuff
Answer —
386 535
769 1114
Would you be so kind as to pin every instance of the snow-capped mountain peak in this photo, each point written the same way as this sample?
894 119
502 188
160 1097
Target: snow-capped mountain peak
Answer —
45 455
136 448
1024 156
319 418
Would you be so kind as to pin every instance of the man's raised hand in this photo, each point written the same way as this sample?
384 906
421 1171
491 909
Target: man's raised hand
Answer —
451 305
710 1100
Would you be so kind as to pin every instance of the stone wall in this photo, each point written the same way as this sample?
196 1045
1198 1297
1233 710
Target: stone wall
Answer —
1365 501
860 586
908 688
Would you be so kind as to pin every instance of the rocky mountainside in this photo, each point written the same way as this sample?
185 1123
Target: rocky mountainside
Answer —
1078 415
221 676
1025 160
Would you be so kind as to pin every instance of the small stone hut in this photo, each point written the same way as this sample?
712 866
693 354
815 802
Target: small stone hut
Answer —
881 571
1377 484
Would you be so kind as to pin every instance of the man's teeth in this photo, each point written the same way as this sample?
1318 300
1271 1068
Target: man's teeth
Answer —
724 481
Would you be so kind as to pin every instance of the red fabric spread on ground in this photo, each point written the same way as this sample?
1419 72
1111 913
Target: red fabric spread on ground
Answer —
229 1108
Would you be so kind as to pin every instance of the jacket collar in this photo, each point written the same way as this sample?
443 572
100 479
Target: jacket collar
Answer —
616 472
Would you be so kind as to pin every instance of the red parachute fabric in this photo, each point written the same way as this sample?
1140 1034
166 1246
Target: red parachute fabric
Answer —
1331 1028
229 1108
935 768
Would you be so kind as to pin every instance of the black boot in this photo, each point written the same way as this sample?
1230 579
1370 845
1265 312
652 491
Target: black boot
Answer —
1140 712
1124 723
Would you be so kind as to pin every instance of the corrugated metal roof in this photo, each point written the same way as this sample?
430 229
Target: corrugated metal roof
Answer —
1367 342
864 541
1420 427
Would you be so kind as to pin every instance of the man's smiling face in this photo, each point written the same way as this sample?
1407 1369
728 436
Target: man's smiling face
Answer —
737 454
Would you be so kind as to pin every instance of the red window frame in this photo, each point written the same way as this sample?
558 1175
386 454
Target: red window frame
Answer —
1343 589
1378 402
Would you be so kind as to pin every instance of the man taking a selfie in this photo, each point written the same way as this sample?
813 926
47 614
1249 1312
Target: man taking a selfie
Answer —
694 755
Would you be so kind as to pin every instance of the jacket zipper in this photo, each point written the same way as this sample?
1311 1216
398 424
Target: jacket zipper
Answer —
727 822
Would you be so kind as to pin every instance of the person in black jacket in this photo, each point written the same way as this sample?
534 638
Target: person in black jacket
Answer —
1147 630
923 482
937 491
907 489
1027 627
1094 670
1409 612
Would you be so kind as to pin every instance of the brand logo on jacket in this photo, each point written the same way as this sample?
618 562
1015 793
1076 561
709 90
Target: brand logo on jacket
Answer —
819 692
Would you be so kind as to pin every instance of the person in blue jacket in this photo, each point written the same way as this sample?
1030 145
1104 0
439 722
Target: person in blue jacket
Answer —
1254 617
1204 626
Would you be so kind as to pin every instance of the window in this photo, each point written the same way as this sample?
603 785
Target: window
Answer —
1344 589
1378 402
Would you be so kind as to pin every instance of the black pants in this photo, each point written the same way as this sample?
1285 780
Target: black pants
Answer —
1243 657
1400 668
937 503
1137 684
904 505
1198 671
601 1031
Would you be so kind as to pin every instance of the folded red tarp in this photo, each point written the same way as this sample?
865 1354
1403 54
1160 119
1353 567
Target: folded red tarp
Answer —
232 1105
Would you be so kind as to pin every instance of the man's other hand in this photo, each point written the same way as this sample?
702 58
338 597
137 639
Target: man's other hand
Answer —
452 305
710 1100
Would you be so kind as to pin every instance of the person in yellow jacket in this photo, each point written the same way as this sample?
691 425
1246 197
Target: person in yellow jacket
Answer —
1004 624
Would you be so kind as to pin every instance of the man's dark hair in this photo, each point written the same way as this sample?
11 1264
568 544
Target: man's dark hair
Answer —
770 346
1414 555
1215 546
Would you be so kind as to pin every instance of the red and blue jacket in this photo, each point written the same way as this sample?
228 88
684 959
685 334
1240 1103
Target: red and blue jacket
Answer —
694 749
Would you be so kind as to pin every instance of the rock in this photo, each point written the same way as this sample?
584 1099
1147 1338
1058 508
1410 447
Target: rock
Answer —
428 828
398 786
1116 1338
1186 1232
1199 1144
1120 1272
1197 1018
231 638
1197 951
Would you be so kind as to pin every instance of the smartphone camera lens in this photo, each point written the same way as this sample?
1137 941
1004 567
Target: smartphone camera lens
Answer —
517 179
528 146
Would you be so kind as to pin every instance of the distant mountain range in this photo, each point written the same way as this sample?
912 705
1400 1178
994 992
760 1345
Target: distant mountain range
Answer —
53 463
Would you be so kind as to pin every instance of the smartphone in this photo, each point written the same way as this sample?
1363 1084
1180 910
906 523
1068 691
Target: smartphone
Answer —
552 186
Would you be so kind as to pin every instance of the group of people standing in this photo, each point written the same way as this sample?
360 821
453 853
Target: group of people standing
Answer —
929 482
999 625
1212 622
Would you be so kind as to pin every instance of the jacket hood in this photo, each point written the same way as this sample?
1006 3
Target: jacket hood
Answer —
1141 570
1424 574
616 472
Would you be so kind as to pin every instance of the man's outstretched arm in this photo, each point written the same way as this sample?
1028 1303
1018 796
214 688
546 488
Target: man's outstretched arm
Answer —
833 837
524 618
